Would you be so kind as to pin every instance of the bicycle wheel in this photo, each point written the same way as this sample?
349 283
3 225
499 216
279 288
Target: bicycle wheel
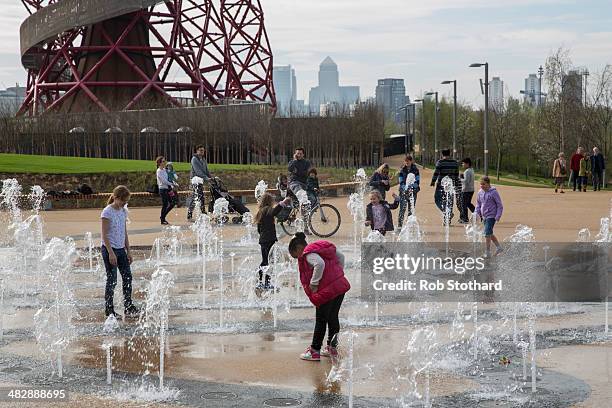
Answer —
324 220
289 225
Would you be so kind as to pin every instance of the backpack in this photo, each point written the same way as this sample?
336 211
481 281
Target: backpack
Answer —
85 189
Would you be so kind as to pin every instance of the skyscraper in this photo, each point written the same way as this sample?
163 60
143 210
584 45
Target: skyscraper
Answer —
329 89
572 87
391 96
285 87
533 90
496 93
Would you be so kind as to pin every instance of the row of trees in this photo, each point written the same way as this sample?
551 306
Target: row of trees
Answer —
242 134
525 139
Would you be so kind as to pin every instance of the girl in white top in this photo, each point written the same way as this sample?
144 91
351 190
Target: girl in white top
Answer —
165 186
116 251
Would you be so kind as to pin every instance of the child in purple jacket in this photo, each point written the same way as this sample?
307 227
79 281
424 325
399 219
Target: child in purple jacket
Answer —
489 208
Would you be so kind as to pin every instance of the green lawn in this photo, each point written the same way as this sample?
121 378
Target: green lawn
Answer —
510 179
19 163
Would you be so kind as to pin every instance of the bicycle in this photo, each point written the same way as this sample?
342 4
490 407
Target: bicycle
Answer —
322 219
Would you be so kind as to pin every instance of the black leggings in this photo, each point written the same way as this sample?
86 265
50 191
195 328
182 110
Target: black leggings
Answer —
265 252
167 203
327 318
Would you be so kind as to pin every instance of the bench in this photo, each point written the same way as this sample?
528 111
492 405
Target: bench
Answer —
145 199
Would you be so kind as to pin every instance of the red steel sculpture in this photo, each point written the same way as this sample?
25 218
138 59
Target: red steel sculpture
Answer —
109 55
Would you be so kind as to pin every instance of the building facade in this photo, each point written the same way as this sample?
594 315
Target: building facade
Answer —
572 87
496 93
391 96
330 93
285 87
11 99
533 90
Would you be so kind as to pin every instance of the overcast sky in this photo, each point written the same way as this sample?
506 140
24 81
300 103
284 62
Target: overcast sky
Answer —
422 41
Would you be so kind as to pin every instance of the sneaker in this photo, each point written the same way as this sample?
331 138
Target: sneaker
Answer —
499 251
487 255
111 312
464 222
310 355
132 311
329 351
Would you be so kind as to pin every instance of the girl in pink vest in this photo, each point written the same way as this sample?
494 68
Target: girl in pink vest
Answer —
321 268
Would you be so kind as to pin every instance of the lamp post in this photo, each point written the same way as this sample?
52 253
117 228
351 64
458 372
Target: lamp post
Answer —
454 82
435 123
541 75
486 113
407 145
422 101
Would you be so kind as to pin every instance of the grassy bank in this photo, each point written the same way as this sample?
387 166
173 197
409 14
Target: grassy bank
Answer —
21 163
67 173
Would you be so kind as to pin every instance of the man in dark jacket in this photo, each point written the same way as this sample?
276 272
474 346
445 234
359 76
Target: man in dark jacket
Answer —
199 168
598 166
575 166
298 171
446 167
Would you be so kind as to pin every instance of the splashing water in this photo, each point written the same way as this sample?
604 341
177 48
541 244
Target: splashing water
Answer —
53 321
375 236
36 197
449 189
420 351
260 189
604 234
302 197
11 194
361 174
249 236
522 233
584 235
156 311
195 181
110 324
220 209
356 208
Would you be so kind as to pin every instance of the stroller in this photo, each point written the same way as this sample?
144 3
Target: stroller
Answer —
218 190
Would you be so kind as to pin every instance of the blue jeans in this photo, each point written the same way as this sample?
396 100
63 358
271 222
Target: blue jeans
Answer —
488 226
123 265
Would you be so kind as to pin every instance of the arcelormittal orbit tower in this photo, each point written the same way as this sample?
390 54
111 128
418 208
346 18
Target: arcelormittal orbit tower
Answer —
113 55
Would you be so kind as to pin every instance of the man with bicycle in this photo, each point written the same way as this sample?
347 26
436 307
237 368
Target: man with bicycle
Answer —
298 173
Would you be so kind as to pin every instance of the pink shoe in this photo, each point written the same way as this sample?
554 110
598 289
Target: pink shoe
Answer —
329 351
311 354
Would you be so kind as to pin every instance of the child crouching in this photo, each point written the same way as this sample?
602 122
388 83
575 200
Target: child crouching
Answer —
321 268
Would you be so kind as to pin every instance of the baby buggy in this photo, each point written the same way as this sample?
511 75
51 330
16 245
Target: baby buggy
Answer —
218 190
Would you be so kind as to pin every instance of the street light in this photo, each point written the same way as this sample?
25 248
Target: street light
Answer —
486 112
435 123
406 149
454 82
422 101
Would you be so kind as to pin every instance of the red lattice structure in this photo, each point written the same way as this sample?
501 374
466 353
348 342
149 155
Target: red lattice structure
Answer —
110 55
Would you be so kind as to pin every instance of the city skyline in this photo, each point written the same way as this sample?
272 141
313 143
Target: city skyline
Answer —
424 42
